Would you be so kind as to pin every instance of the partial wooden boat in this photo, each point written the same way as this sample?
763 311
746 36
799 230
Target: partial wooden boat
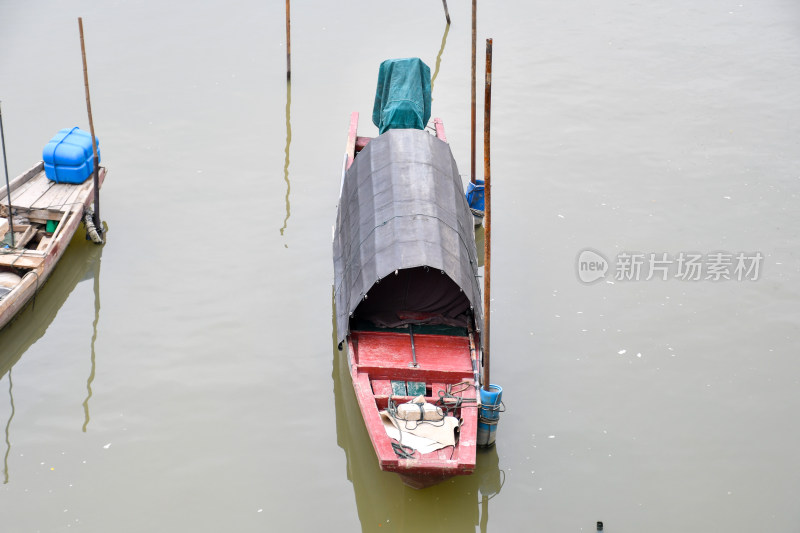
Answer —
406 293
35 201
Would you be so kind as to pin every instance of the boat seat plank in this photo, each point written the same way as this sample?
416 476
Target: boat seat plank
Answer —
21 260
387 350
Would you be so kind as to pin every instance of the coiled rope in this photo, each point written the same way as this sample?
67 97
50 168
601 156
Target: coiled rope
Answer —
92 232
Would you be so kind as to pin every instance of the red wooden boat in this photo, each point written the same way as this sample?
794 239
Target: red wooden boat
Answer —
407 297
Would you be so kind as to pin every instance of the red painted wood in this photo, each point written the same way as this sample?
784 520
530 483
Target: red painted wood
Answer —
439 126
377 434
389 350
361 142
382 387
383 356
350 150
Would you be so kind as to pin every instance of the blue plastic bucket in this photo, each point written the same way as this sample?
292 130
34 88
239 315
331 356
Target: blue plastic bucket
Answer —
475 197
489 414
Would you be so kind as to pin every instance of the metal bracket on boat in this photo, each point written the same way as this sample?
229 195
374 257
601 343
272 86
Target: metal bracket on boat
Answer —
413 363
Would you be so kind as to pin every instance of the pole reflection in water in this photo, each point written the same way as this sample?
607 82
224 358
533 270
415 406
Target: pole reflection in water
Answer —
8 427
439 57
491 481
94 339
81 261
381 497
286 161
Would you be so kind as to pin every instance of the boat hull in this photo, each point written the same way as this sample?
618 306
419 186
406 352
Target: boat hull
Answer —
36 198
444 363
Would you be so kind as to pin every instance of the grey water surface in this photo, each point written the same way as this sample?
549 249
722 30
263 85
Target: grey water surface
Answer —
184 377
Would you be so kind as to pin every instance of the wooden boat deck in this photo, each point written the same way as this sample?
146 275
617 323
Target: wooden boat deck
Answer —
35 200
40 199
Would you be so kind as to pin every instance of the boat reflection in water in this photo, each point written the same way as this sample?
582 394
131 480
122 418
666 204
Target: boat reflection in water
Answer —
459 504
80 262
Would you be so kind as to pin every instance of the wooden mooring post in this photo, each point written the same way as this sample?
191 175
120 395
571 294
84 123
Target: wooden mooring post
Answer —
288 45
96 217
487 221
472 112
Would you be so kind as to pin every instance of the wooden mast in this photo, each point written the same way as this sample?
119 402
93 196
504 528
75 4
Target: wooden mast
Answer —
487 233
96 218
8 188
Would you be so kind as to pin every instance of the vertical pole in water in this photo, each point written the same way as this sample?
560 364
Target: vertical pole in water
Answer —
446 12
474 60
288 46
487 232
491 395
8 188
98 226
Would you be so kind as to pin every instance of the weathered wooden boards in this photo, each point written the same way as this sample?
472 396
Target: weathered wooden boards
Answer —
35 198
40 199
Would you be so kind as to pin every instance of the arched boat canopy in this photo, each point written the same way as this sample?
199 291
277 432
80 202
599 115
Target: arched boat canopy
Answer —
404 242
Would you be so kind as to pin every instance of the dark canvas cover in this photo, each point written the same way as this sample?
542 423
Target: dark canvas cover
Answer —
404 244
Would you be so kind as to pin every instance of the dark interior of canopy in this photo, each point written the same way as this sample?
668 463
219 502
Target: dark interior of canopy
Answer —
419 295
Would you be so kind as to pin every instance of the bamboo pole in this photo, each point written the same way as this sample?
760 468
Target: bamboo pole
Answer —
8 187
288 45
487 221
446 12
96 216
474 60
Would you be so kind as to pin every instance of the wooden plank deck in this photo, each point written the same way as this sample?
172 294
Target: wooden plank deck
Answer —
55 197
39 186
41 199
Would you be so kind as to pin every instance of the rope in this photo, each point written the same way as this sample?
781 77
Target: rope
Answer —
450 402
91 231
403 451
400 450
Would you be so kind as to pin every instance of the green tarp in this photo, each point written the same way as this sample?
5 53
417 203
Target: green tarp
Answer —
403 98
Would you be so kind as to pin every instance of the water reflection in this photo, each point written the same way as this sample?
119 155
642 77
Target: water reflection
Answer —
382 500
8 427
286 161
439 57
81 261
89 381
